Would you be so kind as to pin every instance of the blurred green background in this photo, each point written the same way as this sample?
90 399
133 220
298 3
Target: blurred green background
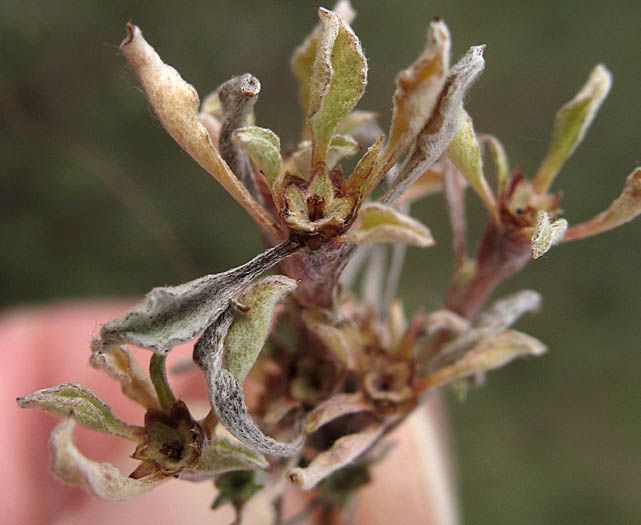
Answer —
97 201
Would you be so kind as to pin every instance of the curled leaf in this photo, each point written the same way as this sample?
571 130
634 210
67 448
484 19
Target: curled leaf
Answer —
344 450
248 332
338 405
500 160
339 77
101 479
340 146
343 340
624 208
427 184
418 89
465 153
237 96
302 62
175 314
121 365
379 223
446 320
359 182
87 409
546 234
225 455
355 120
263 147
507 310
571 123
226 393
176 104
434 138
487 354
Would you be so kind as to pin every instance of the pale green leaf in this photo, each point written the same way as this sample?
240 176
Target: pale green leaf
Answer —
103 480
465 153
355 120
571 123
88 410
339 77
379 223
500 160
341 146
546 234
342 452
121 365
486 354
625 207
249 330
302 62
263 147
225 454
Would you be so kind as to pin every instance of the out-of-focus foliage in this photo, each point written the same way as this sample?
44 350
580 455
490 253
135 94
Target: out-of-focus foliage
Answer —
96 200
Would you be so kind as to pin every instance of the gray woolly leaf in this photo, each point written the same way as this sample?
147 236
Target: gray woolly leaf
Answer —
176 314
226 393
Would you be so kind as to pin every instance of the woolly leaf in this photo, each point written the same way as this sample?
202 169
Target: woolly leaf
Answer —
101 479
418 89
302 62
465 153
121 365
379 223
226 393
339 77
486 354
176 104
176 314
546 234
624 208
263 146
87 409
571 123
248 332
342 452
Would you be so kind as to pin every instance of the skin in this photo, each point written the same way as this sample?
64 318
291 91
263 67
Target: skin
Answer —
44 346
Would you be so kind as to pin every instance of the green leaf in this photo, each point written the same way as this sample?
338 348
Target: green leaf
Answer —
379 223
237 487
339 77
571 123
341 146
465 153
249 330
224 455
302 62
263 146
87 409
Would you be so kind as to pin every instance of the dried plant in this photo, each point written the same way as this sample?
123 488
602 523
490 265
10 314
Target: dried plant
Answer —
344 369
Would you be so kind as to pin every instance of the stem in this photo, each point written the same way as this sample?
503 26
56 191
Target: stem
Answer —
158 375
